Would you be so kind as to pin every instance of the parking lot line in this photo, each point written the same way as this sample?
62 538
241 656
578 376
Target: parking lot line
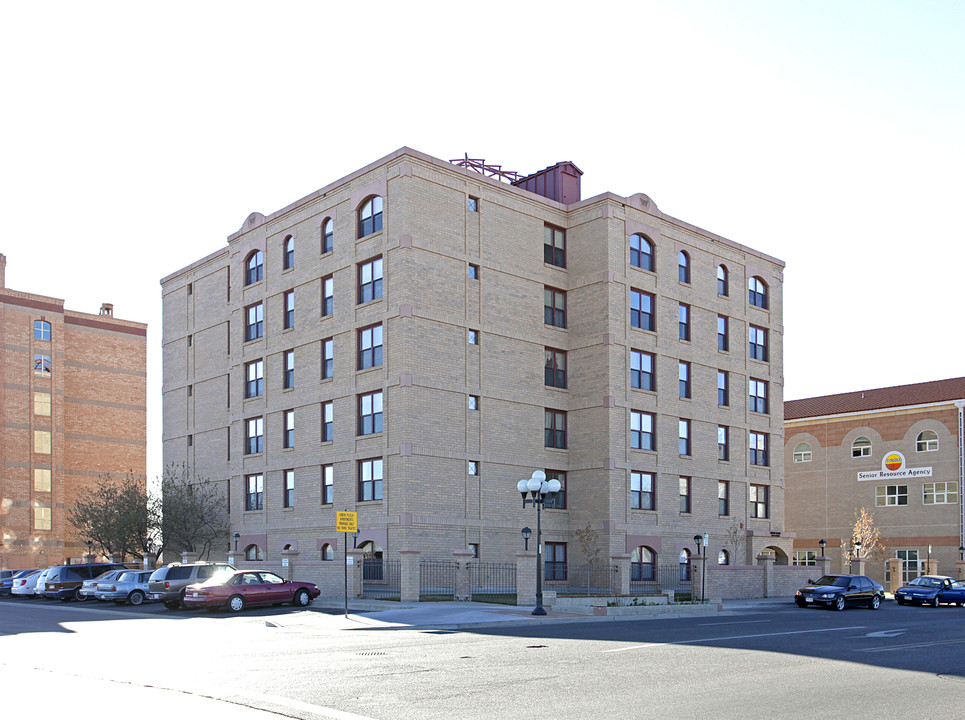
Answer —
732 637
303 706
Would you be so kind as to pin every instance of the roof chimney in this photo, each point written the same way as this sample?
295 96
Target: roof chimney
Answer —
559 182
107 309
3 270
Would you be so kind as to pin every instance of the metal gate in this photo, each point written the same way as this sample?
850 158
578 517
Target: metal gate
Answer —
437 580
655 580
586 580
382 579
493 582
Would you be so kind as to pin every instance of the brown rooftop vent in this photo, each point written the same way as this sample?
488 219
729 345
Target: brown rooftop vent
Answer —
107 309
559 182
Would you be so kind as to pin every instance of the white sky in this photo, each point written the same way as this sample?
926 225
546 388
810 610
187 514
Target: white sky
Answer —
827 133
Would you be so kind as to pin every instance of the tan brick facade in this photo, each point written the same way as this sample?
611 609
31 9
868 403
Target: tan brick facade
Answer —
73 395
430 372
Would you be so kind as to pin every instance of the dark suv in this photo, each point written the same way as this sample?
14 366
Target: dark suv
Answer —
167 584
64 581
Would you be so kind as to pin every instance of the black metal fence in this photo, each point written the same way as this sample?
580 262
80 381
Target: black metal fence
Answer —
493 582
593 580
437 580
658 579
382 579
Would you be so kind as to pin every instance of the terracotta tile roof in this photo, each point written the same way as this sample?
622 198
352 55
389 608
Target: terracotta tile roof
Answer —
877 399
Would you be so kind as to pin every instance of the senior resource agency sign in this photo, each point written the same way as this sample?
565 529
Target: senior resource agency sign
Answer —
893 468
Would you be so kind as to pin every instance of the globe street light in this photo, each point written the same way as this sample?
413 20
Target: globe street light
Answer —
540 490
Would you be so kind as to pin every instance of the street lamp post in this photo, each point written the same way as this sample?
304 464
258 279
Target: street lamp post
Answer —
823 543
540 489
699 541
527 534
236 537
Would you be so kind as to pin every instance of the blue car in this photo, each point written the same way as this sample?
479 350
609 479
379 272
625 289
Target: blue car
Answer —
931 590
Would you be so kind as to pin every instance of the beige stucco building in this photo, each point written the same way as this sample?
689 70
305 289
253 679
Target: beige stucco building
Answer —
896 452
411 340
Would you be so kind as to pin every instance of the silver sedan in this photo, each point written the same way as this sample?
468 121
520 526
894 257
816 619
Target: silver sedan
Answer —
129 587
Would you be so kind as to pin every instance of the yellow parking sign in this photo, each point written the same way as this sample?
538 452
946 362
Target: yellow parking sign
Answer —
346 521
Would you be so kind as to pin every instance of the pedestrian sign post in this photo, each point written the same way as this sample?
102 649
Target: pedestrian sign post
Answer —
346 522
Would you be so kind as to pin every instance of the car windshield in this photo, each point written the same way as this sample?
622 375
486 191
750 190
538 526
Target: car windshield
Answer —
926 582
836 580
220 577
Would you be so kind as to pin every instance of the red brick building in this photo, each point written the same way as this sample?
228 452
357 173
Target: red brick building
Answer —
73 397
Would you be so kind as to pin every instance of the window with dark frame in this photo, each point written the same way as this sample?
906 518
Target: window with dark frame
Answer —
42 330
289 319
643 564
254 267
641 310
554 246
254 436
723 394
254 492
370 413
254 322
683 435
757 446
554 374
555 429
683 379
473 272
328 236
757 396
328 358
642 370
370 479
723 336
723 498
288 371
757 292
554 307
288 432
328 421
558 501
723 282
758 496
370 280
641 252
683 321
328 295
288 499
255 378
555 563
757 343
723 445
642 491
472 204
684 483
370 347
642 435
328 484
683 267
370 216
288 253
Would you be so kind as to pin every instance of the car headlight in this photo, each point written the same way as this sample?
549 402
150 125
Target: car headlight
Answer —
827 596
797 594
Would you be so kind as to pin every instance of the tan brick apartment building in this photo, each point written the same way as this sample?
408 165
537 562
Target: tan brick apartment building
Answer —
413 339
73 394
896 452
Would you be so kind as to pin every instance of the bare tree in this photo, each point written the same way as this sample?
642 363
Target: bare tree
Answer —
863 529
736 537
193 512
113 515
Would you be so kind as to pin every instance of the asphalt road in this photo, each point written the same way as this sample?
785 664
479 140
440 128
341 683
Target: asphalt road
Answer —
773 663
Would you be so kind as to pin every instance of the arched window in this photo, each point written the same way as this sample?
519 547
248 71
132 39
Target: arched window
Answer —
370 216
328 552
683 267
288 253
254 267
253 552
802 452
861 447
328 235
757 292
685 565
927 441
723 281
372 567
641 252
41 330
643 564
723 558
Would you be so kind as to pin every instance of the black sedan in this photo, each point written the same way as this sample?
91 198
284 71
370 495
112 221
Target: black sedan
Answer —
931 590
839 591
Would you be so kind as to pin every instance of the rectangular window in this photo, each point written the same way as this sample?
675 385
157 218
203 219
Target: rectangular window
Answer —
42 328
641 310
473 204
891 495
370 479
758 396
723 394
554 374
805 558
289 319
42 403
723 448
288 435
555 429
254 492
42 365
684 483
940 493
473 272
42 442
472 467
683 378
757 338
254 322
683 436
254 436
641 491
328 295
473 402
42 517
641 370
288 376
328 421
288 500
683 321
254 378
558 501
328 484
370 347
41 480
760 507
723 341
473 337
757 445
370 413
723 498
554 246
642 436
328 358
555 563
370 280
554 307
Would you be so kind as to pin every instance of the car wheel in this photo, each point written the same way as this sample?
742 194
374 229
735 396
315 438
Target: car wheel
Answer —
172 604
899 601
136 597
934 601
236 603
302 598
875 602
839 602
801 603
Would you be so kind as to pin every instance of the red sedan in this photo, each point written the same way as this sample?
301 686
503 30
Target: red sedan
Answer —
236 589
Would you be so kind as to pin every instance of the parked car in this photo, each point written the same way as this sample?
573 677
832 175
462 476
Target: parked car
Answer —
931 590
41 583
838 591
238 589
167 584
64 581
24 585
129 586
7 577
88 587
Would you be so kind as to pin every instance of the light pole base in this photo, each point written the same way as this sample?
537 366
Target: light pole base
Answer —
539 610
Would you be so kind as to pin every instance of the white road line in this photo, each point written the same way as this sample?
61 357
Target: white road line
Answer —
732 637
736 622
908 646
303 706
